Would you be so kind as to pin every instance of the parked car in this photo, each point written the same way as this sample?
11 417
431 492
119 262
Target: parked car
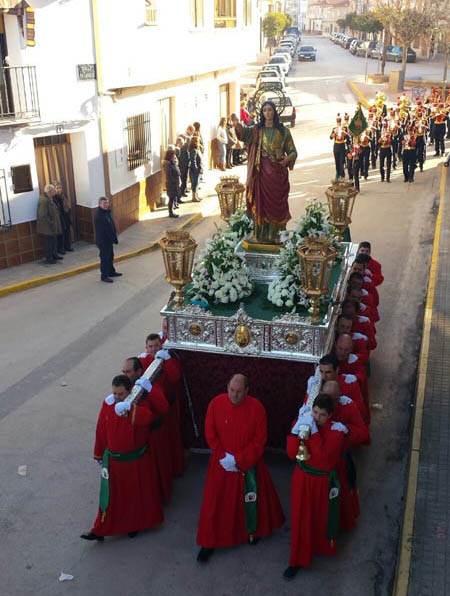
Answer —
293 31
276 67
395 54
268 74
282 60
284 52
347 42
289 45
367 46
289 113
307 53
356 43
271 83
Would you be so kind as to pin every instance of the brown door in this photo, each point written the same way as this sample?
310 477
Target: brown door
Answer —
54 162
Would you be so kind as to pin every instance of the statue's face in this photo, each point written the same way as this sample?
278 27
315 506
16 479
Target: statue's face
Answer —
268 112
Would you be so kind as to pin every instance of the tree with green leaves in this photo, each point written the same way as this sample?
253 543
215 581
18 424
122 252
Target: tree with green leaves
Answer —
405 24
273 25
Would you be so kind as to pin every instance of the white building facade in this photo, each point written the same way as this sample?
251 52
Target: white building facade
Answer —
96 100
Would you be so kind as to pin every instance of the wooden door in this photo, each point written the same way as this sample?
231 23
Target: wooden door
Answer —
54 162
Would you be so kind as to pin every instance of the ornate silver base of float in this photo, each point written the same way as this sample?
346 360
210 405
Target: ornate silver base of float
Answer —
288 336
261 264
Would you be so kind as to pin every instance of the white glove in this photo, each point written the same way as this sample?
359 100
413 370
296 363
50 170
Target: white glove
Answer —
228 463
349 379
344 400
144 383
143 355
340 427
303 420
121 407
163 354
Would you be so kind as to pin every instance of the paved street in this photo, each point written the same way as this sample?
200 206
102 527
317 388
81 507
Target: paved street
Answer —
62 343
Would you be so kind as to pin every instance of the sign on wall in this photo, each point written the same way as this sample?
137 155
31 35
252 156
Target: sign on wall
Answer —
86 72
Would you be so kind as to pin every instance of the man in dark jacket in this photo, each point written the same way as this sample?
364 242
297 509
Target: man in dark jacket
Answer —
184 161
105 237
48 223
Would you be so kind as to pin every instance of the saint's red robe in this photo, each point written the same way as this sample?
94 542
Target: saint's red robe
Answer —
135 498
169 381
241 431
309 496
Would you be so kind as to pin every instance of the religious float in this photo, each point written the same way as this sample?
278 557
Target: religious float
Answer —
265 310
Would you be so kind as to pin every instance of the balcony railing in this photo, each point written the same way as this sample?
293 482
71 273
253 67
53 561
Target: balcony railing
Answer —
19 100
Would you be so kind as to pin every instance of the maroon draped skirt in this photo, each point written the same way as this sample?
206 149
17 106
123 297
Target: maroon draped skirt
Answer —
268 199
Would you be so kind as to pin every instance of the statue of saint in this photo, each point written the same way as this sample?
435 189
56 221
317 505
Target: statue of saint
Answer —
271 153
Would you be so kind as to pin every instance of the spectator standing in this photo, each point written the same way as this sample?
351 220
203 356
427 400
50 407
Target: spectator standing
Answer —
222 140
184 160
173 178
179 143
244 114
64 240
105 237
48 223
195 166
232 142
198 134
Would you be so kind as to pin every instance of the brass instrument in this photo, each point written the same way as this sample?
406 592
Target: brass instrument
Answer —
304 431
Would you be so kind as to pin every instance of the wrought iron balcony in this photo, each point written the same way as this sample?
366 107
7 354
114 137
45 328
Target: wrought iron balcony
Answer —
19 100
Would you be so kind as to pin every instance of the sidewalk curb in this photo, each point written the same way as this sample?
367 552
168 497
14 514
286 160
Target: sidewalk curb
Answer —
358 94
39 281
402 574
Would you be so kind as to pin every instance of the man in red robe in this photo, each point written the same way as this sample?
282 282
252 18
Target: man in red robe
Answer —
352 364
239 500
169 381
159 441
345 411
374 266
359 267
315 485
361 324
360 341
130 499
329 371
355 293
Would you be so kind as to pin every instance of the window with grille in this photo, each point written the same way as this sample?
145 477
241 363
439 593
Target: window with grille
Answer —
21 179
5 213
224 13
197 13
138 140
151 12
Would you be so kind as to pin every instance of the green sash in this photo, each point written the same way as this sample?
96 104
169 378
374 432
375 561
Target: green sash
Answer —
250 501
333 496
104 482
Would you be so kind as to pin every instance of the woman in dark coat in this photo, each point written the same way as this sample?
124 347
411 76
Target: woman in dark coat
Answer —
195 166
173 178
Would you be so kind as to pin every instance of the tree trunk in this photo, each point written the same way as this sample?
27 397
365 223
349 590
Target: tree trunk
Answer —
385 44
403 72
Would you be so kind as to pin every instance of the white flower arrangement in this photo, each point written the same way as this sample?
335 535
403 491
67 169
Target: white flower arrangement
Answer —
220 275
286 290
240 223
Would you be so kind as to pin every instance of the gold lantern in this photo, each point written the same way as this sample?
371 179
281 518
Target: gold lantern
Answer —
317 257
341 199
231 196
178 249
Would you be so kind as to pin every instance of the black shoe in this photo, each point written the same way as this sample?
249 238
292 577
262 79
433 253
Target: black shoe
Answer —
69 249
107 280
365 177
382 180
61 252
180 202
92 536
185 194
290 573
53 261
115 274
388 180
173 215
436 155
204 554
253 540
405 180
58 258
132 534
